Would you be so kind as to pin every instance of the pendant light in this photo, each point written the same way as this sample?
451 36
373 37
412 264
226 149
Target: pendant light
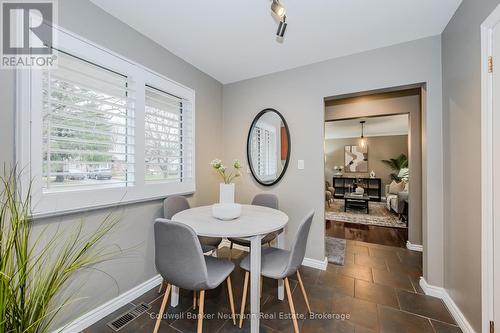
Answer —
362 141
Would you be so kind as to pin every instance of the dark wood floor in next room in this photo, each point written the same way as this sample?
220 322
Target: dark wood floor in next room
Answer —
367 233
378 287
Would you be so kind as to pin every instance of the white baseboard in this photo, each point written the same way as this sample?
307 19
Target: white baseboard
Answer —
441 293
313 263
414 247
109 307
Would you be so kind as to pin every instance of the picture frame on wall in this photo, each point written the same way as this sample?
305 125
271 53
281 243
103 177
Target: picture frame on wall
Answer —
355 159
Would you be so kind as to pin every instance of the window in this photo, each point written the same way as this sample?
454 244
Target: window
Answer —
99 130
88 127
264 148
168 137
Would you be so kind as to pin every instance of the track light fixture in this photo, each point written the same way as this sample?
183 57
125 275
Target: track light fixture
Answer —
278 9
282 28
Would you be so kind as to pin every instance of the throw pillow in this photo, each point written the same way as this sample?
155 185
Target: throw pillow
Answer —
395 188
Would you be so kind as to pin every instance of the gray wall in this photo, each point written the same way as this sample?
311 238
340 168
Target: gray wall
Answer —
462 141
379 148
136 226
299 95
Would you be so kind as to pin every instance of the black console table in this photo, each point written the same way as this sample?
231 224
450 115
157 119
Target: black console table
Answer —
372 186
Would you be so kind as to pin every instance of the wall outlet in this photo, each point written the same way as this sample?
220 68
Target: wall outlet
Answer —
300 164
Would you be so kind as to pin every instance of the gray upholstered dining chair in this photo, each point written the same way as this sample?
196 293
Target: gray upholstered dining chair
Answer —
180 261
280 264
174 204
266 200
177 203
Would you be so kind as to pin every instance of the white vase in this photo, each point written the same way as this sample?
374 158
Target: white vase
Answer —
226 193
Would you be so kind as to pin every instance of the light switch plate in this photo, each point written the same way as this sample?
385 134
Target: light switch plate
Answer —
300 164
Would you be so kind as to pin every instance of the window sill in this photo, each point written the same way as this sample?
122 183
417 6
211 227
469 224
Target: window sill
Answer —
59 213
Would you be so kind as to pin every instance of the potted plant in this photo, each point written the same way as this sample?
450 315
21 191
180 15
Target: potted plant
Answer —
35 269
396 164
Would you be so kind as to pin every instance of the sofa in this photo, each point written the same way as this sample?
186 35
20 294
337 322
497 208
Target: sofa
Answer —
396 201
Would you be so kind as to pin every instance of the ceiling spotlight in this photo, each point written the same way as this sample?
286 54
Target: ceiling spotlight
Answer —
282 28
278 8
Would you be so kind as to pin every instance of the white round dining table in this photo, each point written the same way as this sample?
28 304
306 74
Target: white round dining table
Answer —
254 223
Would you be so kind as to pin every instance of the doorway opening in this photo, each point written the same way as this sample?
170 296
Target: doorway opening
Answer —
366 179
373 168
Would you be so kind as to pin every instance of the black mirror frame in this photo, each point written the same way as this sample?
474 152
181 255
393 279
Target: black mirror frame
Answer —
285 167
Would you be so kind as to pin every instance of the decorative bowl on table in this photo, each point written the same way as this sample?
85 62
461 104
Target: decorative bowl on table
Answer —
226 211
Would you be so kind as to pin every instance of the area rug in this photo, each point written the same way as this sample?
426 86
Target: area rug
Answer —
379 215
335 250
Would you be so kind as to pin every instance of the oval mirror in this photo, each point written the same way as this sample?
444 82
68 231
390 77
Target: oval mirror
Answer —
268 147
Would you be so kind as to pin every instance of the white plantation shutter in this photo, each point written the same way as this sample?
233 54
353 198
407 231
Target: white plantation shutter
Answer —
272 154
88 127
168 137
257 150
264 151
98 130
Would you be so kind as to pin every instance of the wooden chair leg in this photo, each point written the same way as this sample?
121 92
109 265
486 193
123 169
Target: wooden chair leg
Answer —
194 300
231 299
292 308
244 298
304 292
162 309
161 287
200 311
230 251
261 283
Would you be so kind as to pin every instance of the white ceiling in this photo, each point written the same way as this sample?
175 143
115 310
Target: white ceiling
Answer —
377 126
232 40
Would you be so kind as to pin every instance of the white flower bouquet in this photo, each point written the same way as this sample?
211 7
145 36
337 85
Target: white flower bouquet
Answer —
224 173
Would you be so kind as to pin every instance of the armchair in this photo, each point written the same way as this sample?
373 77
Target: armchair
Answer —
329 193
396 202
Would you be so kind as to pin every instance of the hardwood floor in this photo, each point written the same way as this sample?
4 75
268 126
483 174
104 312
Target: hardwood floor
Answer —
365 233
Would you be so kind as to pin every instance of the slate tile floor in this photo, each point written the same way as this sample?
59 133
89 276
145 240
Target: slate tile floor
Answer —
378 288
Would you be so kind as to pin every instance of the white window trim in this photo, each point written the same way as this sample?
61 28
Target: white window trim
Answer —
29 126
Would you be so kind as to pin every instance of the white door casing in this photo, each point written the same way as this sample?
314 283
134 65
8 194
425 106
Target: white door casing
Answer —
490 169
495 85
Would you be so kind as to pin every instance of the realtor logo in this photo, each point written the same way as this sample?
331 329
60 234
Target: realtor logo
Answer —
27 34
